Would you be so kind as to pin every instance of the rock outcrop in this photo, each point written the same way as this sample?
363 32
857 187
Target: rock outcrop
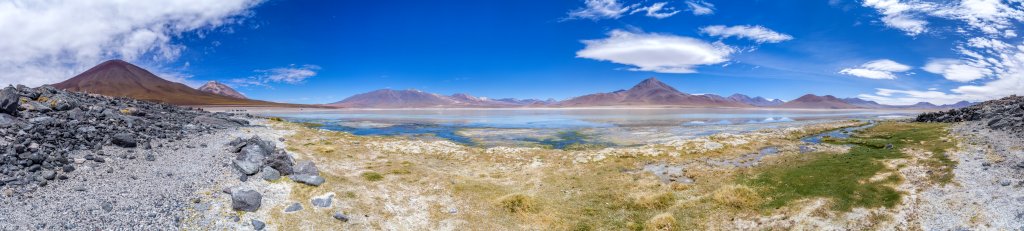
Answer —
1002 114
40 126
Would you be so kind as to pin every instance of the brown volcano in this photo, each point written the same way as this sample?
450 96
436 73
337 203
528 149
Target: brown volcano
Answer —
650 92
122 79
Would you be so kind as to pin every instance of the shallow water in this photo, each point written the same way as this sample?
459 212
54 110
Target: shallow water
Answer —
561 128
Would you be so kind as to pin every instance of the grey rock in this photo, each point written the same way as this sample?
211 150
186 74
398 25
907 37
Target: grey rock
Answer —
246 200
270 174
107 206
308 179
124 139
246 167
1004 182
307 168
49 175
293 208
258 225
9 100
340 216
322 201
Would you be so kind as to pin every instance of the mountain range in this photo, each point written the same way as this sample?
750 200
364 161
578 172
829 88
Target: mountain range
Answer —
122 79
649 92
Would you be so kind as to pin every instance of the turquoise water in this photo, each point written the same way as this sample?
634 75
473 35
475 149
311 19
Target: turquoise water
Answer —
559 128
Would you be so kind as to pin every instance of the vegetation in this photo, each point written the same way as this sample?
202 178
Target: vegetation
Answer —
845 178
544 189
372 176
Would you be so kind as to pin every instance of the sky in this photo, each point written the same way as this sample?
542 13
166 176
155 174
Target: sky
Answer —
890 51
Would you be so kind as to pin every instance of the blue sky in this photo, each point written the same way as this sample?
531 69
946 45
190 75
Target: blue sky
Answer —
891 51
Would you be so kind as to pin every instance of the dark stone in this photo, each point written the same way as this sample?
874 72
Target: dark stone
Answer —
258 225
293 208
306 168
340 216
246 200
270 174
9 101
125 140
307 179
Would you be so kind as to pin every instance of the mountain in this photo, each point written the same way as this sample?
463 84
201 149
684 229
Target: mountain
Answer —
650 92
864 103
921 105
221 89
961 104
814 101
122 79
756 101
387 98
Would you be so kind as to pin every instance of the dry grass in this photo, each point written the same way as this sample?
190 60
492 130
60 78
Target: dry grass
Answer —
662 222
737 196
393 183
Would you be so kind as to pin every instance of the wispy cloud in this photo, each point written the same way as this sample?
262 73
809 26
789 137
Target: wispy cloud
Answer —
293 74
45 42
657 10
877 69
663 53
700 7
601 9
613 9
988 57
759 34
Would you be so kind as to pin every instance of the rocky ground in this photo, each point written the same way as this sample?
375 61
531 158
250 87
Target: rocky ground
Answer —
987 193
1006 114
74 161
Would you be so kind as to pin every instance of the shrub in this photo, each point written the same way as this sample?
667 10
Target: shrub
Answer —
516 203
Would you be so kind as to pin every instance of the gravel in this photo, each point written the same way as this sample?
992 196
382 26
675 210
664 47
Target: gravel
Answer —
140 195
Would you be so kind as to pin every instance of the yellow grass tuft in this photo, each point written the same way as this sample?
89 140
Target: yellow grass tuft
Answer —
517 203
664 221
736 196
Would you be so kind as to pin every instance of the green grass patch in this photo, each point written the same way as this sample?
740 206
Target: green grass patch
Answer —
372 176
844 178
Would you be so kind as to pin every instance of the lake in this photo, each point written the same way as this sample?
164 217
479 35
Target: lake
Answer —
559 128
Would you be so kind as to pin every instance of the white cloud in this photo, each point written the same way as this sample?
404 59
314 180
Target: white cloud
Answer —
902 15
700 7
756 33
956 70
909 97
993 62
662 53
657 10
877 69
601 9
48 41
293 74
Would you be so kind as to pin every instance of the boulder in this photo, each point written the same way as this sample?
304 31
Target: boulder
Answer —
306 168
270 174
124 140
307 179
9 100
247 167
246 200
281 162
